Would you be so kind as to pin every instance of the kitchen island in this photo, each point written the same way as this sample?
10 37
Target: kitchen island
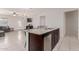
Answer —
42 39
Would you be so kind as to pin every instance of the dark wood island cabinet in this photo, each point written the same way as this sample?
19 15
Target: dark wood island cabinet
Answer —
54 38
36 41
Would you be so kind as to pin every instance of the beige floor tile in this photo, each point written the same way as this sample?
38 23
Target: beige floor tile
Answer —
13 41
69 44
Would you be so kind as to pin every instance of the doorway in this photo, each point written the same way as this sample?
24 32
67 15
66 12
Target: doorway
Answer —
71 23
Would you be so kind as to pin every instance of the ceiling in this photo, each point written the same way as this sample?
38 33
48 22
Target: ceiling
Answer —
69 9
19 11
25 11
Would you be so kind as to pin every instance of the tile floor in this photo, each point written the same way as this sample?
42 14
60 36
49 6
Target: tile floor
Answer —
14 41
69 44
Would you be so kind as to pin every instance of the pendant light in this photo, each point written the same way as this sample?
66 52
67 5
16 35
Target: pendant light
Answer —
14 13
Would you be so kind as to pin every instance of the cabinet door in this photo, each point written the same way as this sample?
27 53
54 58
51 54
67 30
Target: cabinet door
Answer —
35 42
52 40
55 38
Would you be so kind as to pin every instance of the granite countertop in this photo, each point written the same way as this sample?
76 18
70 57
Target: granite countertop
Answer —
40 31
